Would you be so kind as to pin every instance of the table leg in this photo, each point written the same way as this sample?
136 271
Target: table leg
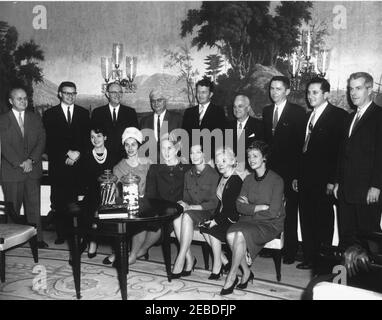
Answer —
122 265
76 262
166 248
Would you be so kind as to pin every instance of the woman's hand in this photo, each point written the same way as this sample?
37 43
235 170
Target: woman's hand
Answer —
261 207
185 205
243 199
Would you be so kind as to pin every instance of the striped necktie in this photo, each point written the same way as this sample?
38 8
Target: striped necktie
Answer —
21 124
310 129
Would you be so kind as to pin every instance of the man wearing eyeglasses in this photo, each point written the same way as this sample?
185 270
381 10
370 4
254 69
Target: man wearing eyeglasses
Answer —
114 118
67 128
159 117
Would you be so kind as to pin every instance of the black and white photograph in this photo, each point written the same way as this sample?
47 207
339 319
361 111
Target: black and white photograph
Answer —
190 151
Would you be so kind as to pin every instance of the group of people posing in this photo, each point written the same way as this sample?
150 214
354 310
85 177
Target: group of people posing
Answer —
294 160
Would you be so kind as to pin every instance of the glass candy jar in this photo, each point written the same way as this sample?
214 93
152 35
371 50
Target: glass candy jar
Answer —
130 192
108 188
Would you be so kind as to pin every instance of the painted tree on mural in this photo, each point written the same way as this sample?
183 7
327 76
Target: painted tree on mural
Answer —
214 64
18 64
245 32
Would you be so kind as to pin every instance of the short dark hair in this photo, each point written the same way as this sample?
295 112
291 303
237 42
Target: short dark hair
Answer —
369 81
206 82
283 79
99 129
14 89
66 84
261 146
325 85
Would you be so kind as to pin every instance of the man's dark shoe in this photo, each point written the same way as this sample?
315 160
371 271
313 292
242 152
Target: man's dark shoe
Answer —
288 260
59 241
42 245
305 265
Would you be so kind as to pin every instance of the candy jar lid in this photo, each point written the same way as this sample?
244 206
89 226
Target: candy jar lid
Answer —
130 178
107 176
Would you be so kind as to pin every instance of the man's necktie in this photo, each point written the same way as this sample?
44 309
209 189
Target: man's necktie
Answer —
310 129
158 139
114 117
275 120
356 121
21 124
69 116
239 131
201 109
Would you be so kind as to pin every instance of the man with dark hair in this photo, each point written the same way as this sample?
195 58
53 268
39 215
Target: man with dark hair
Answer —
67 137
22 144
205 115
359 177
284 125
159 117
115 118
319 155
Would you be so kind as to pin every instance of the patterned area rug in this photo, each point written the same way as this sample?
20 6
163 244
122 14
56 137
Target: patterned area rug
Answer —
52 279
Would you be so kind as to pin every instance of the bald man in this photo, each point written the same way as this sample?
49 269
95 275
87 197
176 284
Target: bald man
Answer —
245 128
155 121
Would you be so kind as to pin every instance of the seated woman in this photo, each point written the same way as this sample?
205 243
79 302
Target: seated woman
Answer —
262 213
132 139
164 181
225 215
199 202
97 161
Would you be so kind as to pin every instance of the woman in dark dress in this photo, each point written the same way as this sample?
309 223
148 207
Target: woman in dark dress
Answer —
262 213
165 182
199 203
98 160
215 230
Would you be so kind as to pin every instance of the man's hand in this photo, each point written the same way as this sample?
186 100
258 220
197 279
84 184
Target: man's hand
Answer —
184 205
69 162
73 155
295 185
329 189
335 190
373 195
27 166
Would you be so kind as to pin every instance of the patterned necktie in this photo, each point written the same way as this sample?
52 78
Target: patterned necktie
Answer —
275 120
239 131
21 124
356 121
310 129
201 109
114 117
69 117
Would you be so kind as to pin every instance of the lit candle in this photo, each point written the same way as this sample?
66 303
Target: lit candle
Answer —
294 63
316 64
131 68
308 45
323 61
117 55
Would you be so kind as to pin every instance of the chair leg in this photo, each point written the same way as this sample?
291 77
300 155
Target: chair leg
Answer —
276 255
33 245
2 266
206 255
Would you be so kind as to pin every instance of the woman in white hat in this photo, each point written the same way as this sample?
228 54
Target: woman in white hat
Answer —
132 139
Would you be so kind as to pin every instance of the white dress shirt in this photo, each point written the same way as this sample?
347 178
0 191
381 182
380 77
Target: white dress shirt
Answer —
161 118
201 114
317 112
116 111
360 112
17 115
65 110
243 123
280 109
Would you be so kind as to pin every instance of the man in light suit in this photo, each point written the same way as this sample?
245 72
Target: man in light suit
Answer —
205 115
159 117
67 128
22 145
114 118
245 129
284 124
359 178
319 155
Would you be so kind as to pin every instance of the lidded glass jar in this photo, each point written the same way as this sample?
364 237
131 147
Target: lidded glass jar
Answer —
130 192
108 188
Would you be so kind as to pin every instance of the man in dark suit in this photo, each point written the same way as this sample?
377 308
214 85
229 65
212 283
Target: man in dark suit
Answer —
67 136
22 144
161 121
205 115
245 129
284 124
322 137
114 118
359 179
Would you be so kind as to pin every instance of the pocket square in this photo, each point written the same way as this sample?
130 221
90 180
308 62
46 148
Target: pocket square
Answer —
252 135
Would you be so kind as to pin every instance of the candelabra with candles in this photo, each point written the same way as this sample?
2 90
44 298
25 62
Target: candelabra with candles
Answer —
111 69
305 66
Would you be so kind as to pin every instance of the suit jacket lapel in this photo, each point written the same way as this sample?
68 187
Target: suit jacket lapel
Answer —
322 117
282 118
62 115
16 123
363 119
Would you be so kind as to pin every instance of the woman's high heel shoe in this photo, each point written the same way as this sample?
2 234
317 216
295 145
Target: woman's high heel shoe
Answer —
186 273
176 275
91 255
229 290
216 276
245 284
